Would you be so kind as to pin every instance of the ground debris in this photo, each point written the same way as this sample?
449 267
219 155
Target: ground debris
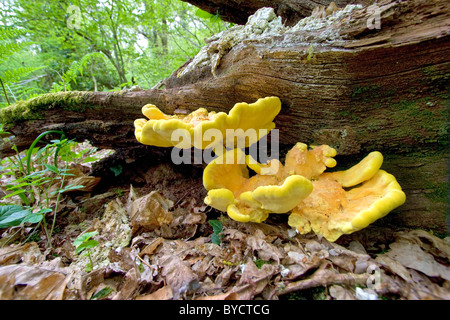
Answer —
167 254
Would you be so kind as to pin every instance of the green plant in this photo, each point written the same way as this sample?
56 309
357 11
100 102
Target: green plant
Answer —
102 294
117 170
38 183
8 46
260 262
75 69
84 242
12 215
216 236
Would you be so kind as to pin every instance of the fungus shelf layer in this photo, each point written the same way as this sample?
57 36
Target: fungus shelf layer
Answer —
159 129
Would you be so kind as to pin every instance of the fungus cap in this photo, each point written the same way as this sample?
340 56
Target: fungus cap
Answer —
360 172
159 128
332 211
247 198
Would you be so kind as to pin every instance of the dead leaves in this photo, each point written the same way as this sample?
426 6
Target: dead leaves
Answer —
151 250
420 251
155 213
262 261
25 275
421 261
149 212
31 283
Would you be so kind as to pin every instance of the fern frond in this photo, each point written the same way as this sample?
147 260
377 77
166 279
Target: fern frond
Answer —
9 48
78 67
7 33
15 75
24 93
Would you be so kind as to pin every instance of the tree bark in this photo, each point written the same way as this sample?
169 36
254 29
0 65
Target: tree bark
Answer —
368 89
291 11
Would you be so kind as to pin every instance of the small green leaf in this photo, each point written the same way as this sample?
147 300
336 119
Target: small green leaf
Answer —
216 225
20 191
53 169
84 237
68 188
215 239
259 263
117 170
102 294
88 267
12 215
90 159
37 216
86 245
217 230
18 186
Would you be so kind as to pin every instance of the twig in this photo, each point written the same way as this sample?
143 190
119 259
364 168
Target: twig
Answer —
4 91
146 263
323 278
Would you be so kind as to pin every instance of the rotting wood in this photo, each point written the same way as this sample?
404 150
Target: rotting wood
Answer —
290 10
370 89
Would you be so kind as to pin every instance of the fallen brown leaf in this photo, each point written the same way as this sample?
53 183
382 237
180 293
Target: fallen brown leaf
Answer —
164 293
33 283
409 250
150 212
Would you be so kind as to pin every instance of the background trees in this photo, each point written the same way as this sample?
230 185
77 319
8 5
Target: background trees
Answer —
111 45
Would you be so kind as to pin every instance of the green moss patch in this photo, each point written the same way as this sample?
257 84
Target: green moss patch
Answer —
31 109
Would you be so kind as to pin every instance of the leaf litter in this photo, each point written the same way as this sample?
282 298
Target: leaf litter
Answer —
154 248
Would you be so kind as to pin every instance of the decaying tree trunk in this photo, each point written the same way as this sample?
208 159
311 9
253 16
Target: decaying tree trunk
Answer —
369 78
290 10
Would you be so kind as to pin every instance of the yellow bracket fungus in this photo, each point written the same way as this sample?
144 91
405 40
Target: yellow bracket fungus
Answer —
244 198
161 129
331 210
274 189
300 160
327 203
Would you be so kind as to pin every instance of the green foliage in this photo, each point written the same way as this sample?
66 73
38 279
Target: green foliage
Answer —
8 33
85 243
10 76
217 231
12 215
38 183
259 263
75 69
102 294
142 41
9 45
117 170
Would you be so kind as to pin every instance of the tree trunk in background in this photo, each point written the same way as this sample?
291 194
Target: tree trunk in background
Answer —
238 11
371 89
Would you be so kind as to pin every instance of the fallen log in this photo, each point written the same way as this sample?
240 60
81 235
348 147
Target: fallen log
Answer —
359 79
238 11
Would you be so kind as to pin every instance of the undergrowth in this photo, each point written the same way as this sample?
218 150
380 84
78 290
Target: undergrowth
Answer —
35 182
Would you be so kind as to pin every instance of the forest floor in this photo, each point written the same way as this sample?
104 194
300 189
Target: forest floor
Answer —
157 240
